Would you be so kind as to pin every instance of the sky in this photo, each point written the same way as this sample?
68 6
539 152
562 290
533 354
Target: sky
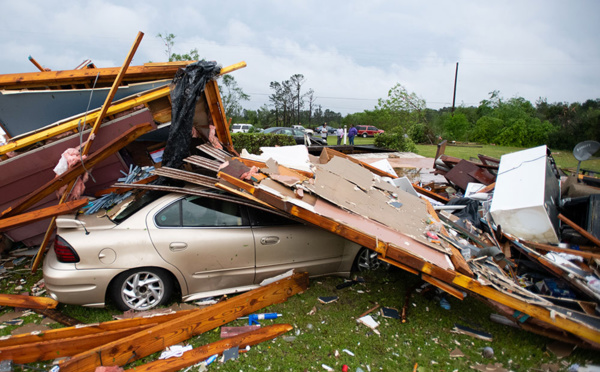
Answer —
351 53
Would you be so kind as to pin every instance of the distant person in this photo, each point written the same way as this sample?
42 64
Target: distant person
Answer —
324 132
352 132
340 135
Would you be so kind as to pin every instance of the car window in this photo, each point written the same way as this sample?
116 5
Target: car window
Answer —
260 217
195 211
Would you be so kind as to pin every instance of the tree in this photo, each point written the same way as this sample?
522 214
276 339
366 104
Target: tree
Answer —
169 41
232 95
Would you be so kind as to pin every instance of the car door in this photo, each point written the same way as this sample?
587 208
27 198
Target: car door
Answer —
207 239
283 244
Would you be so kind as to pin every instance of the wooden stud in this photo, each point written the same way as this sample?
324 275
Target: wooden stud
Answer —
28 302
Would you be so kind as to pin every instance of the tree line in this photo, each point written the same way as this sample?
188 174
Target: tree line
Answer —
407 120
497 120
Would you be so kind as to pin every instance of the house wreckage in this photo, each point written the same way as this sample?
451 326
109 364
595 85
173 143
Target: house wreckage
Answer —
509 240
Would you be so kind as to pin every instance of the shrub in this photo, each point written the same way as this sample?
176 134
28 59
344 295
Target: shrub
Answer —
252 142
395 141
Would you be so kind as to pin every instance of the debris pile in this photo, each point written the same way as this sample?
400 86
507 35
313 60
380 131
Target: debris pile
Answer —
512 232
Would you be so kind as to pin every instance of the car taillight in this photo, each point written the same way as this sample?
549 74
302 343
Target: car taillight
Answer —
64 252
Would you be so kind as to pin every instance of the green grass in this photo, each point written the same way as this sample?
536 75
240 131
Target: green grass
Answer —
564 159
425 339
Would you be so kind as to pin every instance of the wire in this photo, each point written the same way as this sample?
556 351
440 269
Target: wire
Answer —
83 125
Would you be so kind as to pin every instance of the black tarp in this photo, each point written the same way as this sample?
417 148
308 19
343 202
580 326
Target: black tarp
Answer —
189 84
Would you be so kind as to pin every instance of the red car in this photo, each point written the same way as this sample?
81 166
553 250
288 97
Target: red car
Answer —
368 130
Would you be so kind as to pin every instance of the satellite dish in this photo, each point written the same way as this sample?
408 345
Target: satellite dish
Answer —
584 151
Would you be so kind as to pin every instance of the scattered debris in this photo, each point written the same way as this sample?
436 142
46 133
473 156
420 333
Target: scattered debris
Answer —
328 299
460 329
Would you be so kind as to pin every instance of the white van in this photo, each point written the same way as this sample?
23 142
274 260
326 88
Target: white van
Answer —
235 128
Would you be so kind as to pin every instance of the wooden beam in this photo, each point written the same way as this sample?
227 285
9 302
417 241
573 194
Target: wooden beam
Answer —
74 172
112 92
56 335
28 302
44 79
177 330
41 214
580 230
66 347
201 353
36 64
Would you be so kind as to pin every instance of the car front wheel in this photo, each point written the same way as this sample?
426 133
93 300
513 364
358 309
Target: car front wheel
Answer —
365 135
141 289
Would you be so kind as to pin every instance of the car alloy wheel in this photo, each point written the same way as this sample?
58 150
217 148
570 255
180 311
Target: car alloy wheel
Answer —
367 261
142 290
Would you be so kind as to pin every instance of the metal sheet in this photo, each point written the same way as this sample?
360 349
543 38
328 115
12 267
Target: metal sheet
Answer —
25 111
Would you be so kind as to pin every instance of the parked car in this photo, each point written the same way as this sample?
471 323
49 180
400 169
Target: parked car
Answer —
297 134
245 128
305 130
368 130
192 246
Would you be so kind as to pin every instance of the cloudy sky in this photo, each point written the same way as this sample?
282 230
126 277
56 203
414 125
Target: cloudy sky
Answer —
350 52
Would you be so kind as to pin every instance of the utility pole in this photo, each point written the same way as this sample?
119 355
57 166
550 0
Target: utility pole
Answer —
454 96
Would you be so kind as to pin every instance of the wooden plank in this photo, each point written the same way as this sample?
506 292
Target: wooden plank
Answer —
66 347
41 214
121 190
201 353
227 332
74 172
217 112
430 194
443 286
28 302
88 329
532 310
177 330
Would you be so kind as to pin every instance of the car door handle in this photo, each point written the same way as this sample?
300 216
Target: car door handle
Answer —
177 246
267 240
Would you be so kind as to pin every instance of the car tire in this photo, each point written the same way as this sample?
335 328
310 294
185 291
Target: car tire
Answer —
141 289
365 135
366 260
